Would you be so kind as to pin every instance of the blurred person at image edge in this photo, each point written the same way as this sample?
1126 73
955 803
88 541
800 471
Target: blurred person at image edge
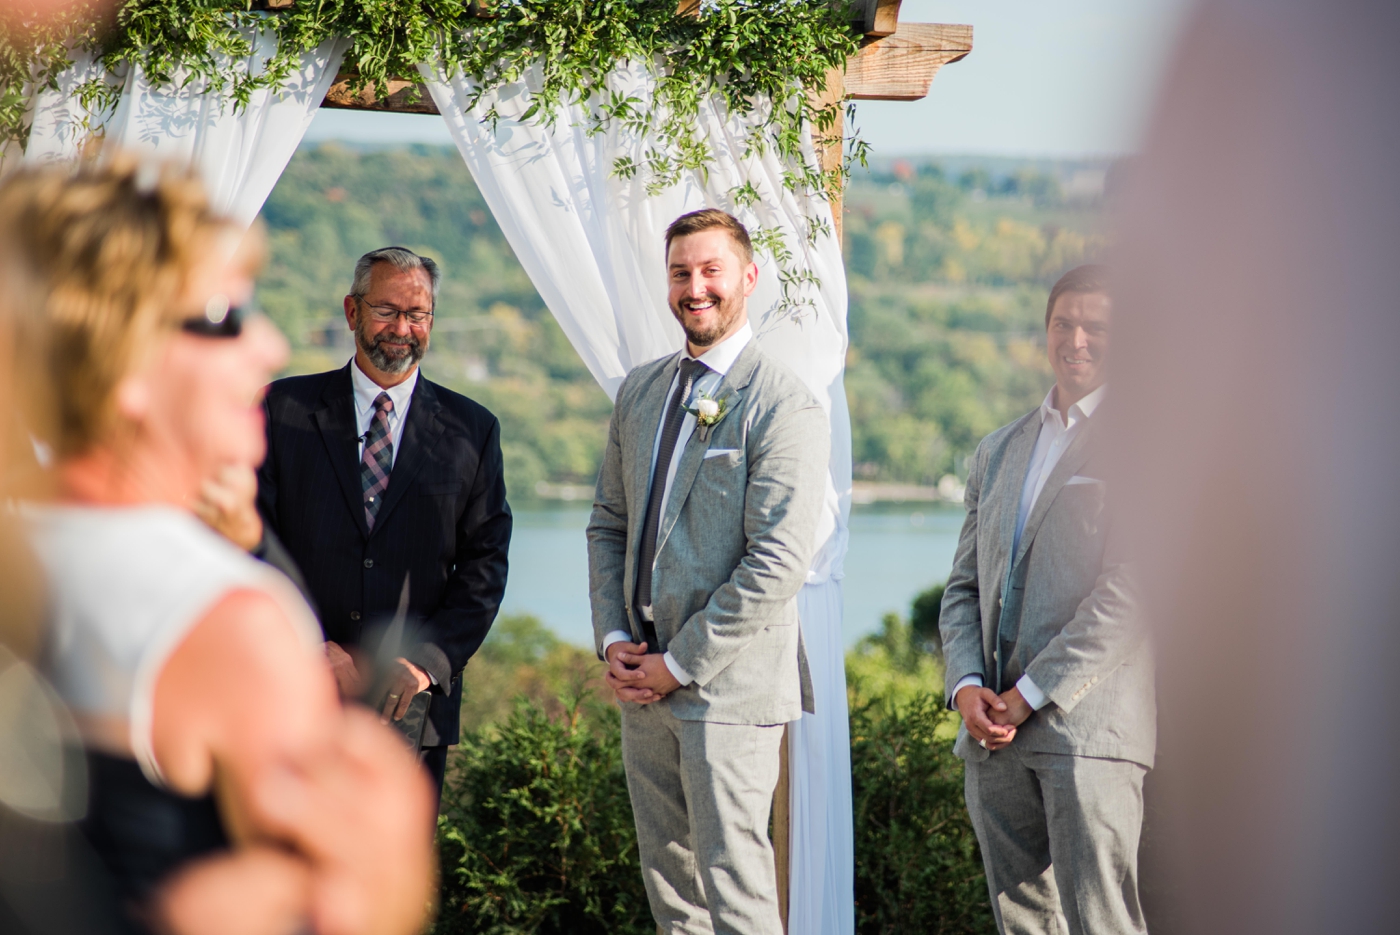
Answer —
222 767
1046 651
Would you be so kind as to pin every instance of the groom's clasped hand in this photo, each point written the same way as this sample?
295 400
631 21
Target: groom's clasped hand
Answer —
992 719
638 676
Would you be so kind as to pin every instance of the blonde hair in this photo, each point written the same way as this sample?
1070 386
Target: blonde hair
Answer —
111 247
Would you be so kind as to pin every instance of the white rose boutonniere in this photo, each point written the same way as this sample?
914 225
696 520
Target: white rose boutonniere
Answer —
708 411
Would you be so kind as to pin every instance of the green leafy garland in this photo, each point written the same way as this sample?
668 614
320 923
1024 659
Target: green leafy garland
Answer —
739 49
742 51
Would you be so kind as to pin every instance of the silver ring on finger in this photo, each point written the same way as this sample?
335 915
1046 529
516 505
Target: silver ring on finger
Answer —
396 698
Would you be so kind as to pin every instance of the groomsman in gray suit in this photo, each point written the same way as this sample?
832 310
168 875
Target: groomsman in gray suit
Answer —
1047 654
700 538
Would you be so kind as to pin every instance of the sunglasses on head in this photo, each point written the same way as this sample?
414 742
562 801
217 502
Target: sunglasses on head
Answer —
220 320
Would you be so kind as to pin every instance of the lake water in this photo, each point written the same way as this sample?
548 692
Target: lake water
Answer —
895 552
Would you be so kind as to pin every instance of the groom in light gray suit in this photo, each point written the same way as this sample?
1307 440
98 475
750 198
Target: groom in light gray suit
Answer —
700 538
1046 651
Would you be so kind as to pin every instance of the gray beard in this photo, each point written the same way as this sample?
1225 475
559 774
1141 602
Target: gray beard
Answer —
374 349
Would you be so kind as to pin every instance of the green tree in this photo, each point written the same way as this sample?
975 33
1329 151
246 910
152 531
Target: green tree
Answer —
934 200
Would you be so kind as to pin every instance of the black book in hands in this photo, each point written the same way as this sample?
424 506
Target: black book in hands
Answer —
414 720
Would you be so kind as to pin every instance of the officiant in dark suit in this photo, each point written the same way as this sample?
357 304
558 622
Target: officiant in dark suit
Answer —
374 473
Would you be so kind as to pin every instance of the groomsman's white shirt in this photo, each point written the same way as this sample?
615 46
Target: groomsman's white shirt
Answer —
1055 436
719 359
367 391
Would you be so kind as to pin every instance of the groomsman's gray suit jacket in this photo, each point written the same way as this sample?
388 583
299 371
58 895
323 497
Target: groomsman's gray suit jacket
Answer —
1063 612
734 543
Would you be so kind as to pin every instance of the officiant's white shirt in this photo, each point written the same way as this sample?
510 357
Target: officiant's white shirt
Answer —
719 359
367 391
1056 434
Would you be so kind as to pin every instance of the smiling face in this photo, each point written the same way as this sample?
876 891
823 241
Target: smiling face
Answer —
1077 343
709 286
388 352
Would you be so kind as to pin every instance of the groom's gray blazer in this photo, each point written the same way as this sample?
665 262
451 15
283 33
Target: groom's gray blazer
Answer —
1063 610
734 543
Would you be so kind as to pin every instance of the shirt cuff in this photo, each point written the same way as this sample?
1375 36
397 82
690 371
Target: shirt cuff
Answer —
1031 692
616 636
434 663
963 682
681 675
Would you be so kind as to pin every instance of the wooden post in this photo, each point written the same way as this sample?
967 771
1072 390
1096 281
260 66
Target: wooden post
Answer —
830 143
782 829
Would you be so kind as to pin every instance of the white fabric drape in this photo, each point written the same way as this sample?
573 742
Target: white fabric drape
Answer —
240 152
592 244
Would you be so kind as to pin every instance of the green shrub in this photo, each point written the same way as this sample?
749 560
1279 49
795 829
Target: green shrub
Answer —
536 833
522 658
889 666
918 868
923 620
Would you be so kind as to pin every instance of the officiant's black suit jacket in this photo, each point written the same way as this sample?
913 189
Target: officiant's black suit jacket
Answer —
443 520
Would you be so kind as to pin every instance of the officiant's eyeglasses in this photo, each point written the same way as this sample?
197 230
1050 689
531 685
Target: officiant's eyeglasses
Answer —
220 320
386 315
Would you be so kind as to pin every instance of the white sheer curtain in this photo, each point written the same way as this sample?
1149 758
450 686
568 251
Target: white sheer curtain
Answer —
592 244
240 152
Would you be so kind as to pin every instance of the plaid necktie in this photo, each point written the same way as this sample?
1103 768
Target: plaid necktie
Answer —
378 459
670 431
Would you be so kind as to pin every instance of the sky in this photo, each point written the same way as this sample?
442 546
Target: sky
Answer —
1045 78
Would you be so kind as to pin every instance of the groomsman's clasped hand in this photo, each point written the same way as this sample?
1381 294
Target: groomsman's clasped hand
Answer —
635 676
987 715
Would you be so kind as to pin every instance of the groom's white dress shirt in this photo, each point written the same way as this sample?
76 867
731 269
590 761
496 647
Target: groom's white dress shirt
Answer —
1056 434
719 359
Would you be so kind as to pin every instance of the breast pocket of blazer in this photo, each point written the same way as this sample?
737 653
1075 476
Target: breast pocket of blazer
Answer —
1084 498
446 488
724 457
721 479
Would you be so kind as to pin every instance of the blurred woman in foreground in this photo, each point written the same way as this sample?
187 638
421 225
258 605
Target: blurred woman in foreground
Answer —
229 789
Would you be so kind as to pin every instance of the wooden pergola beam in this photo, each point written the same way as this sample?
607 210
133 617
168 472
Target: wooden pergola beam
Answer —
900 66
399 96
881 18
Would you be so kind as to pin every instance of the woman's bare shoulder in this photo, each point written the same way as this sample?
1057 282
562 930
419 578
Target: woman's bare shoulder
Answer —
241 689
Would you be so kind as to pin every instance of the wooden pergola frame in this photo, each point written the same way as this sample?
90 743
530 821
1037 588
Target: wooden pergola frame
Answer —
897 62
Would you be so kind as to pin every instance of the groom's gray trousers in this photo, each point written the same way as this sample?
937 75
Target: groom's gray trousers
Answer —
1059 838
701 793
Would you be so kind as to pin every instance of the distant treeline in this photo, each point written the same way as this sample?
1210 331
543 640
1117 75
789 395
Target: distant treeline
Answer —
948 268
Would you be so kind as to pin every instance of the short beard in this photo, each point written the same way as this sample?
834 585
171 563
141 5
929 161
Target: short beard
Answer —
726 312
374 348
